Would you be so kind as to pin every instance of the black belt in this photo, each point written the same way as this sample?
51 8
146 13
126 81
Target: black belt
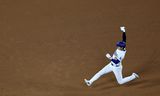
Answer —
115 65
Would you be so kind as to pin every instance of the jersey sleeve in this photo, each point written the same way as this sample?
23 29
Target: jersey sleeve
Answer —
124 37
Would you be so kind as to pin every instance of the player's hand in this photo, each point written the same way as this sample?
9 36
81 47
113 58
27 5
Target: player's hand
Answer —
108 56
122 29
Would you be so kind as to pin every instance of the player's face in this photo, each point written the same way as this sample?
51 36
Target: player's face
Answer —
120 48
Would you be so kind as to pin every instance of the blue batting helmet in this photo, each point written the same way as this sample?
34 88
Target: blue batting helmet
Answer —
121 44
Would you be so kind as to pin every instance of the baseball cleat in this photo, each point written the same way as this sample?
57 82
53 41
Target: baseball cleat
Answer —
87 82
136 75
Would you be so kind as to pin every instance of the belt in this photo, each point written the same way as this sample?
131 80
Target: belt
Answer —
115 65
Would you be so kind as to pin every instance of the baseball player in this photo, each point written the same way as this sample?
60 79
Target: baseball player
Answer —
115 65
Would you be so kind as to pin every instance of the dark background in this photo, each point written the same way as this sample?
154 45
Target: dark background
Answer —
47 47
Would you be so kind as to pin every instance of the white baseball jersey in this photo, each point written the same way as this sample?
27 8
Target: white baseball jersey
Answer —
118 56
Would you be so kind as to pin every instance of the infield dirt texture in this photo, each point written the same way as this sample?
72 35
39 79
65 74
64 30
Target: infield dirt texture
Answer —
48 47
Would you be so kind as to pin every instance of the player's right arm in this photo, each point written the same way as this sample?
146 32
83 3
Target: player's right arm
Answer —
113 59
108 56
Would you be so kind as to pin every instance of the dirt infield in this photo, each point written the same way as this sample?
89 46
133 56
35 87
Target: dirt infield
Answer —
47 47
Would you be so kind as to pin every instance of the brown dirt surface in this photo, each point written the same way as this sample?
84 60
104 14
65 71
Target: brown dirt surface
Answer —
47 47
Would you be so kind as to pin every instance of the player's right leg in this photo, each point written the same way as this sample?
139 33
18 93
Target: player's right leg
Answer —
105 70
118 74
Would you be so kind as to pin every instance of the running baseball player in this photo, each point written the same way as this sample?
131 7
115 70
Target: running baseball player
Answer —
115 65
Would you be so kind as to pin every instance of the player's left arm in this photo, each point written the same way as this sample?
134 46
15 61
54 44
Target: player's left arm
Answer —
123 34
116 59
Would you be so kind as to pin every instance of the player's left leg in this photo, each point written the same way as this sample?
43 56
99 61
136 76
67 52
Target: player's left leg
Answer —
103 71
118 74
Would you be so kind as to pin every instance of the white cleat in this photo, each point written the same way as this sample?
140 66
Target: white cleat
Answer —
87 82
136 75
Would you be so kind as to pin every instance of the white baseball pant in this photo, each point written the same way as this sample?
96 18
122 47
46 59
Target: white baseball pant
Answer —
117 72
